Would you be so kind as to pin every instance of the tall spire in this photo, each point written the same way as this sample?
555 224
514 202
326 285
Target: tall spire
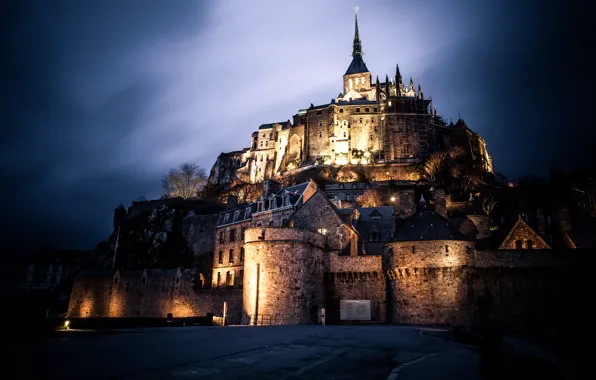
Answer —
357 49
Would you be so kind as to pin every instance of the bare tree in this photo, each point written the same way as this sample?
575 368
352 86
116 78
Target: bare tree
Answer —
370 198
434 164
471 181
185 181
488 204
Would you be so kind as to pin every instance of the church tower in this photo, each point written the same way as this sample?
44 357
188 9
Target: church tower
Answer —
357 79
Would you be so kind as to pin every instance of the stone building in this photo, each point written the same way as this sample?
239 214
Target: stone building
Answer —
370 121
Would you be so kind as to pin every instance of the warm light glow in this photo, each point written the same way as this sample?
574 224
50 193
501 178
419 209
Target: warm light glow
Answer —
364 161
392 199
354 161
66 324
341 161
327 162
366 154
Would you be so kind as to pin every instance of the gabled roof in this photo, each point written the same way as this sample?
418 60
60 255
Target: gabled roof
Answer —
357 66
270 125
522 228
427 225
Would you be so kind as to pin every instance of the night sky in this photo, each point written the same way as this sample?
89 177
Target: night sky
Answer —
100 98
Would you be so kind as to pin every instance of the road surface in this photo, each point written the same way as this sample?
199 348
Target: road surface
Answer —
222 353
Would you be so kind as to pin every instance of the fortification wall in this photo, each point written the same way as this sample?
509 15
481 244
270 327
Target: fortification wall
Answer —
355 278
430 254
428 281
283 275
138 296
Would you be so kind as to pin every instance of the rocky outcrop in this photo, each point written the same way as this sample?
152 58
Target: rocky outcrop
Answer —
164 233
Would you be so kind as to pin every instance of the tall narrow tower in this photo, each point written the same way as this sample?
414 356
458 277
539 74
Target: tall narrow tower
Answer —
357 79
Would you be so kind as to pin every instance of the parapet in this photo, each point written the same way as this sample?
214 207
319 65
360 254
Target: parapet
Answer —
285 234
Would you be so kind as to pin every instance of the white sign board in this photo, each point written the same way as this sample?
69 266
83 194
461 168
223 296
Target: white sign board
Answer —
354 310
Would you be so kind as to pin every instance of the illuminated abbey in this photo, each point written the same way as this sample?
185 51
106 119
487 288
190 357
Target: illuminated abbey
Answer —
369 122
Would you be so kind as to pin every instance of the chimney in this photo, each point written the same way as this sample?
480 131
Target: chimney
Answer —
232 202
270 187
440 202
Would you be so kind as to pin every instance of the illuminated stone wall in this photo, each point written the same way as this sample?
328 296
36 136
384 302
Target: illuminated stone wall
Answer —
147 294
223 245
283 278
428 281
355 278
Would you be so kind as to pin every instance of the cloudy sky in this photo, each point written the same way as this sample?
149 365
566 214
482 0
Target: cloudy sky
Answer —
100 98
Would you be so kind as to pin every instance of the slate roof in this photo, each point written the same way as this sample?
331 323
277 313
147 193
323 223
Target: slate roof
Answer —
270 125
241 216
427 225
357 66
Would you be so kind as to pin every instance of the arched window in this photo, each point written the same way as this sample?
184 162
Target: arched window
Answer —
351 85
345 123
357 80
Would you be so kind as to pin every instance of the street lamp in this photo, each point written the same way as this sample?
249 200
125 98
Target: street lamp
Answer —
392 199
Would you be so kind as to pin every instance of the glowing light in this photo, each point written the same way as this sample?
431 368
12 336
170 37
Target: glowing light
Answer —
341 161
66 324
364 161
392 199
366 154
354 161
327 162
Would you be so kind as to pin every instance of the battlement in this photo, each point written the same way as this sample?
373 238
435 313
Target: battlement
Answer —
355 264
284 234
431 253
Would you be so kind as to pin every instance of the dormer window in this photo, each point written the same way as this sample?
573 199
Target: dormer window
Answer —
247 213
272 203
286 200
236 214
260 206
374 235
226 217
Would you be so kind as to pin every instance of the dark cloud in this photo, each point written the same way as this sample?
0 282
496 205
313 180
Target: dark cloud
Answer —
100 98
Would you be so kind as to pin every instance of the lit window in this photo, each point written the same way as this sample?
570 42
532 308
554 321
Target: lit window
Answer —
357 80
322 231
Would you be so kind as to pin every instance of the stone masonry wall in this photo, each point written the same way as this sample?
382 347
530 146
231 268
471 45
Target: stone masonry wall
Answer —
355 278
428 281
283 280
133 296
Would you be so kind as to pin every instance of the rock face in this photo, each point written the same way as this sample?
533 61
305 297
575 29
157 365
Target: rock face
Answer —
164 233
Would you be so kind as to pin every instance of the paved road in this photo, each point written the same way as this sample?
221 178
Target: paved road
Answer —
274 352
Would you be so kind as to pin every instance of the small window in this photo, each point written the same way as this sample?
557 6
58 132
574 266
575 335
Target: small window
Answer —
218 279
220 261
341 110
345 122
374 236
320 134
357 109
371 137
272 203
345 134
319 113
261 143
361 120
322 231
233 234
240 277
518 244
221 237
321 123
247 213
243 232
530 244
236 215
357 80
230 278
280 139
413 249
367 110
231 257
226 218
241 254
375 109
447 248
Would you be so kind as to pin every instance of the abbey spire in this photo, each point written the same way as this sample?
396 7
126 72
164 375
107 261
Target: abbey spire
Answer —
357 66
357 48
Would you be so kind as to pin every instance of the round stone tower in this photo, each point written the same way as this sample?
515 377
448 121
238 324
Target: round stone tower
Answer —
427 267
283 275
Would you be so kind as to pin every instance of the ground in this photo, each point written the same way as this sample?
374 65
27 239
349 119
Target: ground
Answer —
271 352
